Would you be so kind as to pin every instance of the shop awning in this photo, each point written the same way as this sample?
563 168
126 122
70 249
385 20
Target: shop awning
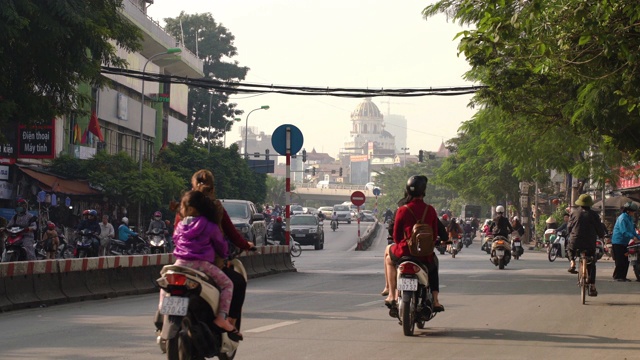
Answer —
59 185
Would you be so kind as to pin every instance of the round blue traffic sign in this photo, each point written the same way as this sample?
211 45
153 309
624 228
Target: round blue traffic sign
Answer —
279 139
376 191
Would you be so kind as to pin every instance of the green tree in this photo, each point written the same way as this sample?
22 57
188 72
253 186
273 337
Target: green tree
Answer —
214 44
48 48
232 176
564 95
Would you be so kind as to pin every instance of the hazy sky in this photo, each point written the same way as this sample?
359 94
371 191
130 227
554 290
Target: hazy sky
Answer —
340 43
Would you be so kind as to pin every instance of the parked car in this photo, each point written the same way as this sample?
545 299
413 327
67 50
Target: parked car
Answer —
326 210
296 210
246 218
367 218
306 230
310 210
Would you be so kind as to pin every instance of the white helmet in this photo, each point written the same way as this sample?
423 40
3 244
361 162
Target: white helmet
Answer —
125 220
499 209
515 218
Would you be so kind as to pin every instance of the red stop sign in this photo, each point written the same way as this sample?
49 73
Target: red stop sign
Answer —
358 198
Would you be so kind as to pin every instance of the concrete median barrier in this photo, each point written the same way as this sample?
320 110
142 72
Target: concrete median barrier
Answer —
365 241
33 283
18 282
46 282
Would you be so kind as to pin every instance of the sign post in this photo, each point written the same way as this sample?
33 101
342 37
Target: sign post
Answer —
287 139
358 198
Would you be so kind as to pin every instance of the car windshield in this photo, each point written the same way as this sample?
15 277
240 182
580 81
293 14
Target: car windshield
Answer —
303 220
236 210
296 208
341 208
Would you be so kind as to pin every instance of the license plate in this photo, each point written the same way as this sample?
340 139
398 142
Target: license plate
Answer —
174 305
299 235
500 252
408 284
633 257
516 243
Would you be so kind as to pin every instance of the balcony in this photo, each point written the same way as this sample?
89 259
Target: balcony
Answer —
156 40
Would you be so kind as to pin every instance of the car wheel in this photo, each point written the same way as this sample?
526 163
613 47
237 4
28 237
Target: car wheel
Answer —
348 221
317 245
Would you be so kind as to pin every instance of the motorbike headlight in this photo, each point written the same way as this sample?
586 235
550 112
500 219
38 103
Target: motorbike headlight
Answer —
243 229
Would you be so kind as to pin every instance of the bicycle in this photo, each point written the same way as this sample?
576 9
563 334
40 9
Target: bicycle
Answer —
294 248
583 275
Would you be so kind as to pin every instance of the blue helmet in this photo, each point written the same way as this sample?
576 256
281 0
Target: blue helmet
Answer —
93 213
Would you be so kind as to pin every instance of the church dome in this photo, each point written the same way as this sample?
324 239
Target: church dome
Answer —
366 109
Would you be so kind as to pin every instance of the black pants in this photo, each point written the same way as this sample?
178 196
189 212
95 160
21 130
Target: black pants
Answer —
622 262
239 291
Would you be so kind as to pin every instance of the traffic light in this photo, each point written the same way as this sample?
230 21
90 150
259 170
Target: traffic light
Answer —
340 171
304 155
313 172
266 154
420 156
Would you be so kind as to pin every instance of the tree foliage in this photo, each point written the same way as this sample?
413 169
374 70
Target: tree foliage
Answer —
48 48
562 90
233 178
215 47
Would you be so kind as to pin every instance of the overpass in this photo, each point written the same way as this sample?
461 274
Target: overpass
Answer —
333 194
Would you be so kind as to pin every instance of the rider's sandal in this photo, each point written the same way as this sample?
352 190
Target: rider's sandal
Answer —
235 335
393 308
385 292
438 308
593 291
572 270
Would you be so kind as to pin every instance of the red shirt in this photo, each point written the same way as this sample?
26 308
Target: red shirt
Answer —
404 225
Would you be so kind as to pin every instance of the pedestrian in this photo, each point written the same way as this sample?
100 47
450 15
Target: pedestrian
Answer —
106 234
623 232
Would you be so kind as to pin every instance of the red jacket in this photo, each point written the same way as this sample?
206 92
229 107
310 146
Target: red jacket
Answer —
403 226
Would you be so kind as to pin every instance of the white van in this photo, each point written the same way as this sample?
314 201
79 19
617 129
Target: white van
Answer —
324 184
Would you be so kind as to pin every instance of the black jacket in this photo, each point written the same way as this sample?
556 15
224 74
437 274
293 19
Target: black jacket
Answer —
584 228
501 226
278 231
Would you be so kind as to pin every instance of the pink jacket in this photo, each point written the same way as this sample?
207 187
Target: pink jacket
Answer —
196 238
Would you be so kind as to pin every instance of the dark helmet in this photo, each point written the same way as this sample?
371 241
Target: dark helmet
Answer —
630 206
93 213
417 185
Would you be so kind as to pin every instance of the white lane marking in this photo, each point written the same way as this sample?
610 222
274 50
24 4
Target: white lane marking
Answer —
271 327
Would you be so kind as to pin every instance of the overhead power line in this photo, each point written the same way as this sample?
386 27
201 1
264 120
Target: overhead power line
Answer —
249 88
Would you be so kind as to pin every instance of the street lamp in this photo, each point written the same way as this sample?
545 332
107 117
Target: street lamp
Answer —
246 128
168 52
405 155
225 130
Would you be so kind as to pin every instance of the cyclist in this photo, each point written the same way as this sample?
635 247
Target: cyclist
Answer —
584 227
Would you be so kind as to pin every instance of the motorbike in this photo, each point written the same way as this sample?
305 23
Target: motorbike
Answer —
415 301
608 247
13 244
136 245
334 225
65 250
599 249
633 249
516 246
559 247
454 246
487 244
500 252
87 244
547 235
156 241
188 308
467 239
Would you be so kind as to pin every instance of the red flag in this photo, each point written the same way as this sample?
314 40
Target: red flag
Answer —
84 137
94 126
76 133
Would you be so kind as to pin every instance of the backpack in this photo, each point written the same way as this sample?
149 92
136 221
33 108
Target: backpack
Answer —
422 239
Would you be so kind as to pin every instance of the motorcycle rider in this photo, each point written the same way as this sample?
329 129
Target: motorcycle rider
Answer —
565 223
124 233
500 225
278 232
334 219
403 225
517 226
28 222
445 220
584 229
468 229
157 223
91 223
388 215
